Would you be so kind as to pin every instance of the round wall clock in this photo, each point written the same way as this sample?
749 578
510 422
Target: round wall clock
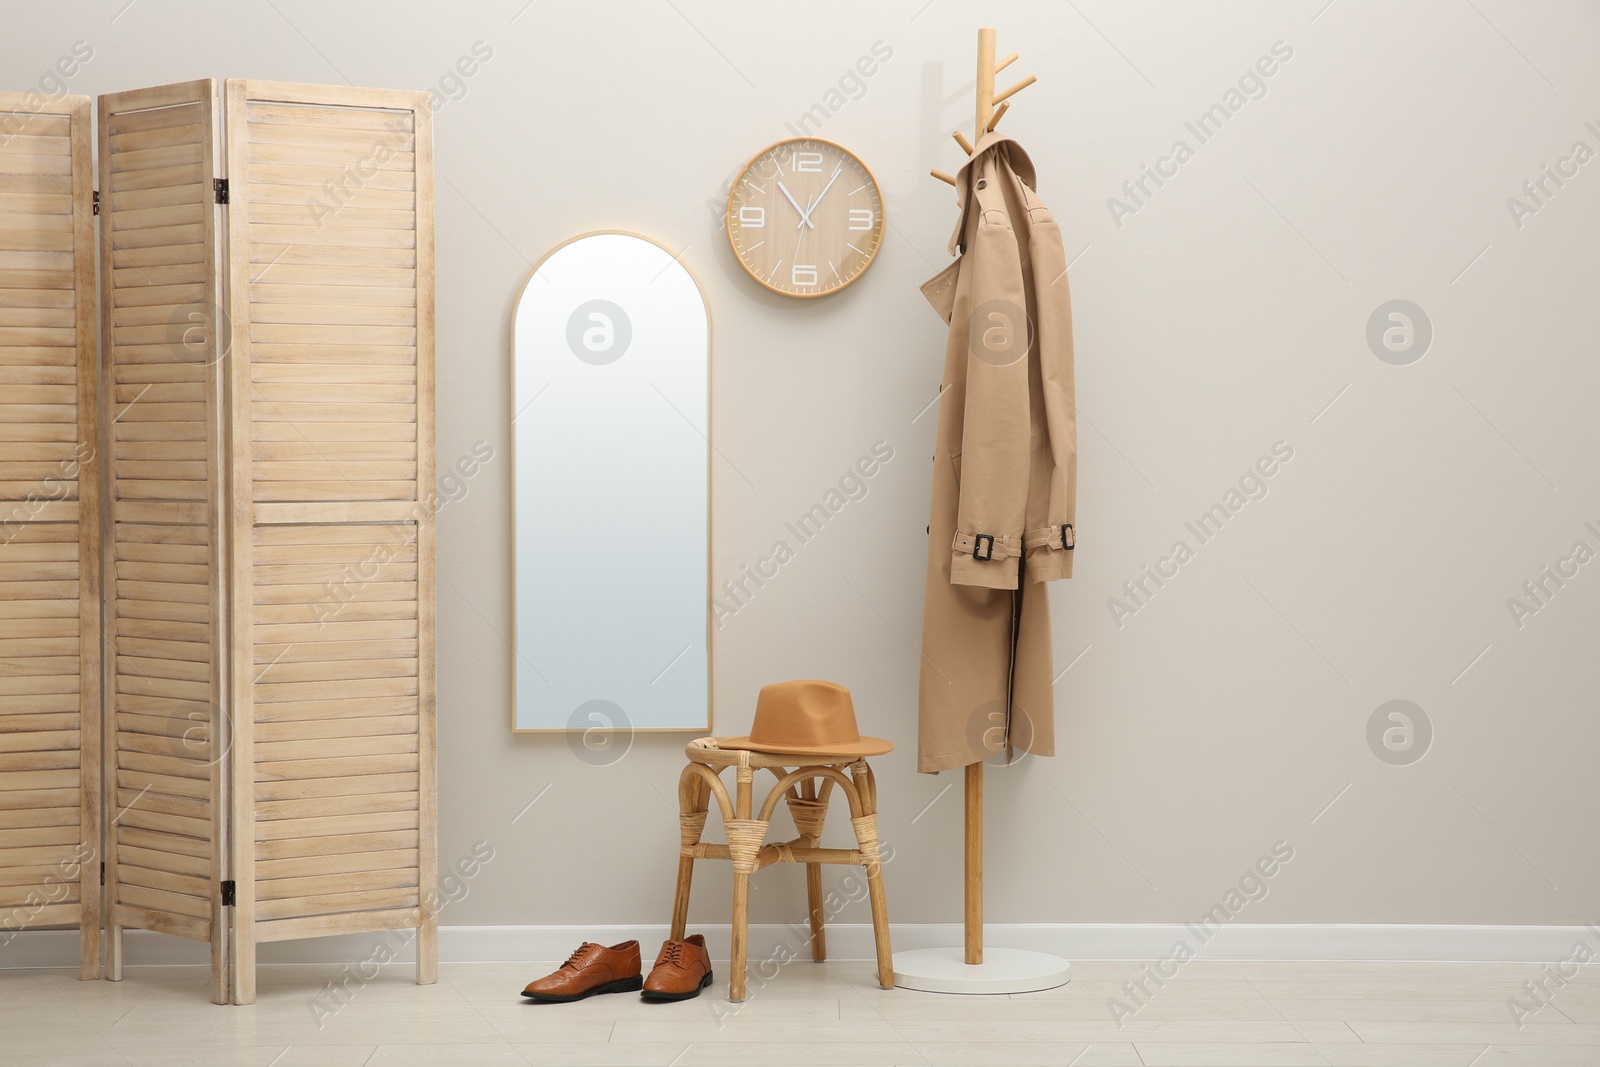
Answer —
805 217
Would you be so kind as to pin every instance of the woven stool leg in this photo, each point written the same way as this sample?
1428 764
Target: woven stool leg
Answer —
809 809
867 836
680 897
744 847
819 947
693 799
741 931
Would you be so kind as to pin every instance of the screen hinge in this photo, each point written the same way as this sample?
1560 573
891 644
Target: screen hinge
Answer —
220 185
227 894
97 201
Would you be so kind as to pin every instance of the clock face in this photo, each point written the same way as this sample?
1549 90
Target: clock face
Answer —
805 217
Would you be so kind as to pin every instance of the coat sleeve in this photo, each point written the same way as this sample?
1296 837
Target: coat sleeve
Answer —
994 467
1053 513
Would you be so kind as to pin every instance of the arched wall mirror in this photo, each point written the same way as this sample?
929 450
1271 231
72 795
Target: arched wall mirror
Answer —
610 418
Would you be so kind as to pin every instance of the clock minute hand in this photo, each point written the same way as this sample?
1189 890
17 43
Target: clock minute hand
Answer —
819 196
805 219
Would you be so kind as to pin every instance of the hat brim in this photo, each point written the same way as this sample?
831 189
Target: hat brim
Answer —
867 746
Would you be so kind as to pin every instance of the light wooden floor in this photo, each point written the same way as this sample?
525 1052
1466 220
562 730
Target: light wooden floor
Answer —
1232 1014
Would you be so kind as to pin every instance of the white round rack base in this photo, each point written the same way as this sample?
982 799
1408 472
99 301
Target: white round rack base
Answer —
1003 970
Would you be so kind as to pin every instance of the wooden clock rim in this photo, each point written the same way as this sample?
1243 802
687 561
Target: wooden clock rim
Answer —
883 218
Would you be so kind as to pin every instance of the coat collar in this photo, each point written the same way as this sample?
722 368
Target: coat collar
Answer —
1010 154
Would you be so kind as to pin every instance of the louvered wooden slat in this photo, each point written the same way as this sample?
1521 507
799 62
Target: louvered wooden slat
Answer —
344 863
343 844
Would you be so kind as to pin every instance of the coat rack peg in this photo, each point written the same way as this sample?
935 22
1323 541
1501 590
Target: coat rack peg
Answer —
942 176
999 113
1006 62
1015 89
961 139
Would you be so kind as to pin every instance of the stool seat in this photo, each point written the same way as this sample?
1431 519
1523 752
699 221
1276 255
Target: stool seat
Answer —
805 780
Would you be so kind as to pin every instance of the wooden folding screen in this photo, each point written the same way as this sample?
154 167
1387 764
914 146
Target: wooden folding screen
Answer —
49 540
269 375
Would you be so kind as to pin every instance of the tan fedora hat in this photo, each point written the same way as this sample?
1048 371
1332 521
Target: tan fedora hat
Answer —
806 716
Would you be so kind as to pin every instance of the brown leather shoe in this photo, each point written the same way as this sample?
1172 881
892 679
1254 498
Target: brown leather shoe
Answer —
591 969
682 969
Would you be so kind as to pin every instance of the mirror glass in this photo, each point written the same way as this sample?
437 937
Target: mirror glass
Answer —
611 358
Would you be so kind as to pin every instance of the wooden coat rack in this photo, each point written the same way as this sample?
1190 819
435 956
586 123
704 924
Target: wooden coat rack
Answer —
943 970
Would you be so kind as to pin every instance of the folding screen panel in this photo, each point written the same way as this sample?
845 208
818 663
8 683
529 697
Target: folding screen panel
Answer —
49 538
331 282
166 539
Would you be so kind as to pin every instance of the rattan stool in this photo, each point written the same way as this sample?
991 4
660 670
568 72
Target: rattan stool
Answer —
806 789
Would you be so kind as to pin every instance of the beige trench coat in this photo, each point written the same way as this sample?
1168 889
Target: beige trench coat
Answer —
1005 471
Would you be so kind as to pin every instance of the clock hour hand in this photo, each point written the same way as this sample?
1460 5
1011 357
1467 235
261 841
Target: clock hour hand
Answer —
805 219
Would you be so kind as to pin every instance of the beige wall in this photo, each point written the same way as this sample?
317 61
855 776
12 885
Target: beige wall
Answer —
1225 313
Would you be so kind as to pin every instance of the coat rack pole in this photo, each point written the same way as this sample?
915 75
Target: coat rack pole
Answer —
985 83
975 771
974 864
974 774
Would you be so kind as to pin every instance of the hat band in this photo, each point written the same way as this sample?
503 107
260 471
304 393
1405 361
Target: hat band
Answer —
758 739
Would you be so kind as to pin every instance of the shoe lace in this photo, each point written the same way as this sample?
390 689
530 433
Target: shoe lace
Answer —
577 954
672 953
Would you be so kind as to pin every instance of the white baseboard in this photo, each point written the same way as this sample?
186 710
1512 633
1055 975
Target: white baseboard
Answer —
853 941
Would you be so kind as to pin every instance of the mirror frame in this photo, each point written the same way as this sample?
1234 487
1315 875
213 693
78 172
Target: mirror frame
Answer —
511 405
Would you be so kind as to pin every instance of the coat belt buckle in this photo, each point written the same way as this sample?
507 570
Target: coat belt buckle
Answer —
1067 538
978 545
